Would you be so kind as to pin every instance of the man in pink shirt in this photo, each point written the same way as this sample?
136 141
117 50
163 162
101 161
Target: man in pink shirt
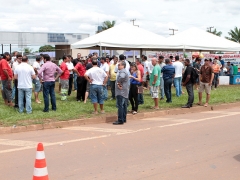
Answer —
46 73
141 69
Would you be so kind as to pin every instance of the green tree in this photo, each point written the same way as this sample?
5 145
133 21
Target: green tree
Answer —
215 32
108 24
27 50
46 48
234 35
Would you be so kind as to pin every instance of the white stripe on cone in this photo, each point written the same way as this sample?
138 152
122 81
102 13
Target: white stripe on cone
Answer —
39 172
40 155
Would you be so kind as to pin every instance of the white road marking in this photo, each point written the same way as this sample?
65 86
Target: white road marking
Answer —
98 129
156 119
31 144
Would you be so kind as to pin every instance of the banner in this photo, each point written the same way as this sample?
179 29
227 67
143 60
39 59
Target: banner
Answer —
152 54
232 58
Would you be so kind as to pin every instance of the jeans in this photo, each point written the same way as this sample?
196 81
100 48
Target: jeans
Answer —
105 93
27 92
70 83
7 90
112 84
167 89
162 87
96 93
178 86
48 89
122 108
215 80
16 93
75 81
190 92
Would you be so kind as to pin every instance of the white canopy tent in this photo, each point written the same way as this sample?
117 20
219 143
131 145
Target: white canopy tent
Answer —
124 36
200 40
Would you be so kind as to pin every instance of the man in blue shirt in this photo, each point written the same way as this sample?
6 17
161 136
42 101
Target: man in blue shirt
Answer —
229 69
168 75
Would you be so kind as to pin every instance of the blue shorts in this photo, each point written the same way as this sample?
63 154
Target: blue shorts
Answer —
96 93
37 85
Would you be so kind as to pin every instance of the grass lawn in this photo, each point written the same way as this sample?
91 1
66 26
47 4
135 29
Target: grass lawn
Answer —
72 109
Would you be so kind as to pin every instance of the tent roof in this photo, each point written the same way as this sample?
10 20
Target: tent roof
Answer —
197 39
123 36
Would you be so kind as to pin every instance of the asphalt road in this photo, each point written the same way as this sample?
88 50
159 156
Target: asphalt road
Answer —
199 146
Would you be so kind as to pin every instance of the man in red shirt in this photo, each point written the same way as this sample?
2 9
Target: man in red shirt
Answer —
81 81
64 78
140 68
6 77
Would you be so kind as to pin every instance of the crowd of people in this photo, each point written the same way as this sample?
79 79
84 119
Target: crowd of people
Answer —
93 77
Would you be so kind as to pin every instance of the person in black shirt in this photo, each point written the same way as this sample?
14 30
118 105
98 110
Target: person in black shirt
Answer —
188 82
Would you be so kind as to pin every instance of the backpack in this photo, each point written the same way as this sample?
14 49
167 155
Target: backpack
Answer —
194 75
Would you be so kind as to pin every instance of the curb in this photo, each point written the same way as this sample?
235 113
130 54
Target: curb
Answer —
109 119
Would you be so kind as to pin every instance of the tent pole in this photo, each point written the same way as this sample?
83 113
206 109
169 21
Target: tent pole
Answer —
133 55
141 52
100 53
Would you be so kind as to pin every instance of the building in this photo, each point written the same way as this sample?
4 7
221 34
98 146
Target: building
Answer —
61 41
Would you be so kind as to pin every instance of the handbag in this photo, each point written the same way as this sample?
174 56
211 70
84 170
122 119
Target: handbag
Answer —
139 89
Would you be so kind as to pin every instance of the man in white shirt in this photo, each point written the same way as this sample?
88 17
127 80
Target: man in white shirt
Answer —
178 76
24 73
15 89
97 78
146 68
70 68
105 67
36 81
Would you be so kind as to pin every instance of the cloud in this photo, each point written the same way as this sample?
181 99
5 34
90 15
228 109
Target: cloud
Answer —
39 29
132 14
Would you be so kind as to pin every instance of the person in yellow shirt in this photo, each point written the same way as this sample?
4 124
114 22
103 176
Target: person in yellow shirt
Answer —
216 69
113 76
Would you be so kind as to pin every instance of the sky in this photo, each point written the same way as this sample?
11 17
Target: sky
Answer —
83 16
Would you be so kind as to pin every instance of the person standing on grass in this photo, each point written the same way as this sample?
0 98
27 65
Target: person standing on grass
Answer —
104 66
75 62
6 77
70 69
36 81
168 75
188 82
59 83
80 70
46 74
88 66
64 78
161 64
141 69
146 71
135 79
113 76
15 81
155 82
24 73
97 79
178 76
206 76
197 67
216 69
122 90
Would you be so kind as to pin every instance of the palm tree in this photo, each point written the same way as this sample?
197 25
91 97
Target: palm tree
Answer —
108 24
215 32
234 35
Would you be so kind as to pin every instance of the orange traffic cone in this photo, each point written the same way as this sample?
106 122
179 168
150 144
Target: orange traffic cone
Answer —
40 168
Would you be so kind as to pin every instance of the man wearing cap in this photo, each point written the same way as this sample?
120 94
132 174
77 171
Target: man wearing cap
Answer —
206 76
229 69
46 73
6 77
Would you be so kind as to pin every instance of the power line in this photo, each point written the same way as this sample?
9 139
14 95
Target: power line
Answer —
173 30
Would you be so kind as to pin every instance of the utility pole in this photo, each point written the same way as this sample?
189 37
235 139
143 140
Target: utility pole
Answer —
210 28
173 30
133 20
